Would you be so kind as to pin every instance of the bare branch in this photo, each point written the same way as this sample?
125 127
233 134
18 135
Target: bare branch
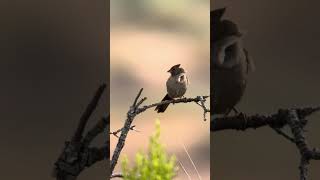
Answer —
205 109
77 155
176 101
135 109
282 133
137 97
241 122
85 116
299 135
294 118
96 130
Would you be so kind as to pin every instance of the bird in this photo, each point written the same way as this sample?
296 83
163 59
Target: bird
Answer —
176 86
230 64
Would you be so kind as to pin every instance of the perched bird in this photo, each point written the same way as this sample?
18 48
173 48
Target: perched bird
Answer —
176 86
230 64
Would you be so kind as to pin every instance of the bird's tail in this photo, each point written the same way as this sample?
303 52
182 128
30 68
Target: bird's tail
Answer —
163 107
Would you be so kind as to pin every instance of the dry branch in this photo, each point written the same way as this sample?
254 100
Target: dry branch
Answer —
77 154
135 109
295 119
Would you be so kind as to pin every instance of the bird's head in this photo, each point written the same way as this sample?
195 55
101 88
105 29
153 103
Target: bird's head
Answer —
175 70
217 14
221 28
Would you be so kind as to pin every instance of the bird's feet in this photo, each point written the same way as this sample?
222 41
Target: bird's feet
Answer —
238 115
236 112
182 97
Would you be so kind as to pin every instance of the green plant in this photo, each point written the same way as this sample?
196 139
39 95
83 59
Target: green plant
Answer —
154 165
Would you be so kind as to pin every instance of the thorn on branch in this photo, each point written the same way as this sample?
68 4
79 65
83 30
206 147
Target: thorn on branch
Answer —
115 133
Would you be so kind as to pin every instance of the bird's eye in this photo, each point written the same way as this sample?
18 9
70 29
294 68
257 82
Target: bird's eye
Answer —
181 78
230 48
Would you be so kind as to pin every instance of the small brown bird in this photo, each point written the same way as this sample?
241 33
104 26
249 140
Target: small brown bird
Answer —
230 64
176 86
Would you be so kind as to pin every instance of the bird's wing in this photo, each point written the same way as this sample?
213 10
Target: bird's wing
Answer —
188 82
217 14
219 52
250 64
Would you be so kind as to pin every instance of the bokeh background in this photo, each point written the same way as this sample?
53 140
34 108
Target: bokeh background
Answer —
283 39
147 38
53 57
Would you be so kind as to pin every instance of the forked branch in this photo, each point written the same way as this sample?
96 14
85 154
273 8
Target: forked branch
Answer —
295 119
77 154
136 109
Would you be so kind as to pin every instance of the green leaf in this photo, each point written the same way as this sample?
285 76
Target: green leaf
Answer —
154 165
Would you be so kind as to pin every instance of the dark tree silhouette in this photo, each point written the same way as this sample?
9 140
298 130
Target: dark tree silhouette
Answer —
77 154
295 119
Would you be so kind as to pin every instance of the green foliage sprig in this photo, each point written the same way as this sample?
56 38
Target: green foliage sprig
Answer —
154 165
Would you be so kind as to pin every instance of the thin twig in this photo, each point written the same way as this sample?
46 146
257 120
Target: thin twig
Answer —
96 130
89 110
190 159
137 97
184 169
282 133
115 133
205 109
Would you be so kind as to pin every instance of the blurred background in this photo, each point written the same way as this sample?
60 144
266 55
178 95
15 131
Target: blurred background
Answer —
283 39
147 39
53 58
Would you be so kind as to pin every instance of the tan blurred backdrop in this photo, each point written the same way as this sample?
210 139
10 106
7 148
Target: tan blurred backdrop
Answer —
147 38
283 39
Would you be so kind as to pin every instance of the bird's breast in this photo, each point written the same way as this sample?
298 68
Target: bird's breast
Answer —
177 85
228 88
